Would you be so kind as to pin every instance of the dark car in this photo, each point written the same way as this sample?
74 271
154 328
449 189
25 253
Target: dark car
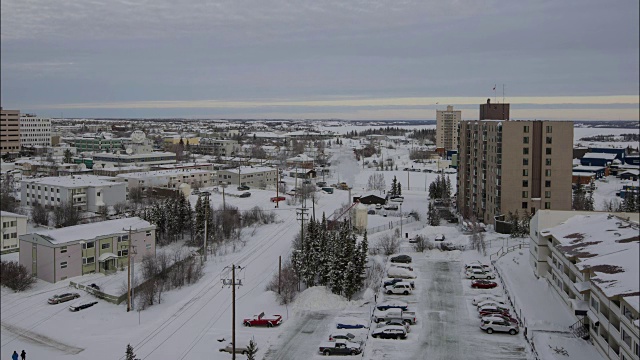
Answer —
483 284
245 195
321 183
394 281
57 299
390 332
243 187
371 212
82 305
401 259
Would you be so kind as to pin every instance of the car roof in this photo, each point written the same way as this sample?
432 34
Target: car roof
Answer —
392 327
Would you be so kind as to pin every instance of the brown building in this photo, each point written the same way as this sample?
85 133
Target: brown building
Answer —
504 166
9 131
447 128
491 111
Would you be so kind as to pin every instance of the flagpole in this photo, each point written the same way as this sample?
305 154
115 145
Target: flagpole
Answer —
495 96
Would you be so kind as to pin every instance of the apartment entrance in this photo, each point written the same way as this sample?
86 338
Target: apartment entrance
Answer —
108 263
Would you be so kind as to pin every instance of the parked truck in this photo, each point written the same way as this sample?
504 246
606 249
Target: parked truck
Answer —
340 347
383 315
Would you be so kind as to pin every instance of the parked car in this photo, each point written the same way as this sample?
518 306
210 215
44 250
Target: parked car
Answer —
394 304
344 335
391 207
371 212
240 349
403 288
491 303
390 332
493 311
483 297
57 299
491 325
378 206
493 308
278 198
81 305
328 190
340 347
401 259
243 188
402 266
483 284
396 272
245 195
501 317
351 323
262 320
479 274
477 266
439 237
389 282
321 183
397 199
408 317
396 322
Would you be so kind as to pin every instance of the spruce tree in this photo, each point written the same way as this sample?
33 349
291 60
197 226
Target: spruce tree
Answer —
394 187
129 355
252 349
399 189
515 225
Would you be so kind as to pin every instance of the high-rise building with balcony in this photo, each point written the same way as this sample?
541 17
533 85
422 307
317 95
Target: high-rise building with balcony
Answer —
509 166
447 128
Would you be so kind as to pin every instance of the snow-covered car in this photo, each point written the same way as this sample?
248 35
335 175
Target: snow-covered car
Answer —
479 274
393 304
350 323
390 332
483 284
240 349
57 299
408 317
477 266
378 206
397 199
396 322
403 288
492 303
483 297
491 325
500 317
81 305
391 207
396 272
340 347
403 266
493 309
439 237
344 335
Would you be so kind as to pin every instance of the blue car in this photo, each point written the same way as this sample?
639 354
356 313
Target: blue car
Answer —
393 305
346 325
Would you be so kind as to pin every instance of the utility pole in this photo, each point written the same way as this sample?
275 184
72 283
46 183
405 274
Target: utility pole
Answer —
277 190
129 272
408 179
206 220
224 207
301 215
279 274
232 282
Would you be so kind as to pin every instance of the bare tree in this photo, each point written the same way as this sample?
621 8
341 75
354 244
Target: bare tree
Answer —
7 201
39 214
120 207
103 212
388 244
15 276
376 182
288 284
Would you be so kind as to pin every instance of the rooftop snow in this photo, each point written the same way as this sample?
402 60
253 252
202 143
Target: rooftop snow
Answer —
73 181
10 214
93 230
587 168
605 156
606 245
169 172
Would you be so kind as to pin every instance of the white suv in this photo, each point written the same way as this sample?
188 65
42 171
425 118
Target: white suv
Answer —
491 324
402 287
479 274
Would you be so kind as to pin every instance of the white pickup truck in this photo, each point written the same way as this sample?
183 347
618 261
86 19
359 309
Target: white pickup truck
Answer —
384 315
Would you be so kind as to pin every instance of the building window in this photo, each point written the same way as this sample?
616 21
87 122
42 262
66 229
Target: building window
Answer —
525 183
123 238
524 205
547 183
526 129
88 260
547 172
594 303
106 246
124 252
63 265
548 150
626 338
548 161
547 205
525 172
63 250
148 233
549 128
547 194
525 151
148 246
525 140
525 194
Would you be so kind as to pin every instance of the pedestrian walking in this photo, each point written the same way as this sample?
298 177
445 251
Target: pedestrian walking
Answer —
15 355
23 355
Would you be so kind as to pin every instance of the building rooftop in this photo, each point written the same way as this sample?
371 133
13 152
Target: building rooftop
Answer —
605 156
93 230
605 244
10 214
168 172
73 181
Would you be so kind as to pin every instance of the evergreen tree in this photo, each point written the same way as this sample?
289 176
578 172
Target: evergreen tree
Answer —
515 225
399 189
448 188
252 349
579 199
433 215
350 281
394 187
630 201
129 355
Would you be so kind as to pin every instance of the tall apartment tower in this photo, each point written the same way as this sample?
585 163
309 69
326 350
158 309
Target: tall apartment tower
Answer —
35 131
447 128
504 166
491 111
9 131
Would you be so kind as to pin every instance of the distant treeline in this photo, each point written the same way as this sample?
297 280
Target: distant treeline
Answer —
604 138
424 134
390 131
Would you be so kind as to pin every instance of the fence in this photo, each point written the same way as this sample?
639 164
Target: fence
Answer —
99 294
505 250
390 225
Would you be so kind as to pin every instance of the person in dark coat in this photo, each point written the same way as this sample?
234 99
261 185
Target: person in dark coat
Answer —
14 356
23 355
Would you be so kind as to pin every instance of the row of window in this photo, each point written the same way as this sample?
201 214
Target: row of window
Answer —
33 187
525 205
525 150
10 223
548 129
547 194
8 236
525 183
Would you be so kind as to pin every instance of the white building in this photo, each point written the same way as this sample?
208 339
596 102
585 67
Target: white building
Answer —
138 151
34 131
172 178
259 177
12 226
87 192
591 261
447 128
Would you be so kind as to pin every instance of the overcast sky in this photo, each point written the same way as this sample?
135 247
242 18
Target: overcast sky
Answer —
350 59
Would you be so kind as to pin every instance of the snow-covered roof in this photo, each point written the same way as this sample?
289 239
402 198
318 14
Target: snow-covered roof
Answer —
300 158
253 169
73 181
605 156
605 244
10 214
583 174
583 168
93 230
632 172
168 172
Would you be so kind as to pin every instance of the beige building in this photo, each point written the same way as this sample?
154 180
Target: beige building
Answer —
259 177
11 226
447 128
9 131
504 166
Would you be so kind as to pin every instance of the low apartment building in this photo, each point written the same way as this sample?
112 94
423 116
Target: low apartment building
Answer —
95 143
87 192
591 261
12 226
217 147
259 177
171 179
56 255
121 158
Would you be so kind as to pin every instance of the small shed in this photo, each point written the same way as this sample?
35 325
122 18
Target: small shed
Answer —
370 200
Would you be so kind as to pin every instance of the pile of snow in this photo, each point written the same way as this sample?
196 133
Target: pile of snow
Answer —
554 347
319 298
443 255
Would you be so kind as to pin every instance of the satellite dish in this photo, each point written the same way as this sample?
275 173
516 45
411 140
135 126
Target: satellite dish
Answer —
138 136
129 151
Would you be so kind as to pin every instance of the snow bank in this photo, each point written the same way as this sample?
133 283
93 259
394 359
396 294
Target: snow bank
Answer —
443 255
319 298
552 346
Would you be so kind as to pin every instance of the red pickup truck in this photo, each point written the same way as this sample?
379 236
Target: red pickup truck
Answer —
262 320
278 198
